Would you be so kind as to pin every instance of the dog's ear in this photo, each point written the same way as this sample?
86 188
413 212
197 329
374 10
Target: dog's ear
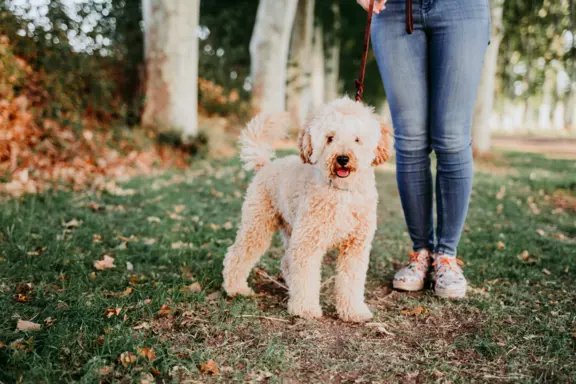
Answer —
305 145
383 150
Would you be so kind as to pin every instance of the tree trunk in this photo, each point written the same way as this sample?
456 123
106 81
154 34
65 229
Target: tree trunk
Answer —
331 83
298 87
318 70
485 101
570 112
171 48
269 54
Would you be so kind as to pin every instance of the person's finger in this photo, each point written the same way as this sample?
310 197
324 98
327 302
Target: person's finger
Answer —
363 4
379 5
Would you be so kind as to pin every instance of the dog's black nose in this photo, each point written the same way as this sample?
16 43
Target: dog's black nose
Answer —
342 160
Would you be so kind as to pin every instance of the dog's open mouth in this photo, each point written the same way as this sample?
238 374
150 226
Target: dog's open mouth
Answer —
342 172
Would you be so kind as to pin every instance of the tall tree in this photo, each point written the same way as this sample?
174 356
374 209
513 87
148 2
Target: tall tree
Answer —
332 49
171 49
480 129
318 69
298 87
269 54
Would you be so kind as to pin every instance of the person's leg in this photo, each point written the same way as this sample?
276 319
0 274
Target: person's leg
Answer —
403 63
459 34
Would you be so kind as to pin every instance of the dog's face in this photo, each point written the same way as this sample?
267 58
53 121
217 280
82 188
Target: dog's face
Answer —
343 139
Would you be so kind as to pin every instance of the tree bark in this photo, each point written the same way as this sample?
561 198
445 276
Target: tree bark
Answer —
269 54
485 101
318 70
332 78
171 48
299 70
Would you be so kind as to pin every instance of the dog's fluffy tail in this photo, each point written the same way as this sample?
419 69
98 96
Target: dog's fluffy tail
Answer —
256 140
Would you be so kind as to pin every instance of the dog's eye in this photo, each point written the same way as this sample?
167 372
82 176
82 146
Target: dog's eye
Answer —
329 139
357 140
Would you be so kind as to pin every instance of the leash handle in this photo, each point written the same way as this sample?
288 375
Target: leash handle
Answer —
360 81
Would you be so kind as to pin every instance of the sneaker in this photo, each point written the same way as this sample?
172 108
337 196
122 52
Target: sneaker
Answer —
412 276
450 281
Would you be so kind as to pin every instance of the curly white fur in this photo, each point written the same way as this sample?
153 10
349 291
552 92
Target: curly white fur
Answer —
256 140
316 203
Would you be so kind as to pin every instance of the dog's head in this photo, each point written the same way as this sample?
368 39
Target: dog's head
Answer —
342 139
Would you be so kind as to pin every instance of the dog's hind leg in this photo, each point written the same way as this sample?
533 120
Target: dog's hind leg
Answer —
259 222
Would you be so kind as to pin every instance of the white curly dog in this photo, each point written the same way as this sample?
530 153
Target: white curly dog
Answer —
323 200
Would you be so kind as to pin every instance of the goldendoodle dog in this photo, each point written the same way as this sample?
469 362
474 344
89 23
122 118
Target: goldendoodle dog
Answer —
324 199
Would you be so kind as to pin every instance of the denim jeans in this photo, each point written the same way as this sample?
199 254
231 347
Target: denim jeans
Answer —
431 79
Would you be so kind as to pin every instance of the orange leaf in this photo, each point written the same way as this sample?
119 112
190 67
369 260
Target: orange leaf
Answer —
210 367
416 311
147 353
127 358
112 311
164 310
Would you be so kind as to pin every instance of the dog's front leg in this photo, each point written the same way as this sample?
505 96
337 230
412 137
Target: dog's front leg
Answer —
303 261
351 268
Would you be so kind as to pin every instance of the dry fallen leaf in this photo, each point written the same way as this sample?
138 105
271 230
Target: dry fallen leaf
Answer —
227 225
192 288
147 301
179 208
213 296
96 238
105 263
175 216
49 321
144 325
180 244
147 353
20 298
547 272
164 310
112 312
127 358
24 325
149 241
416 311
501 193
540 232
72 223
153 219
129 266
524 255
105 370
209 367
214 227
500 245
126 292
92 276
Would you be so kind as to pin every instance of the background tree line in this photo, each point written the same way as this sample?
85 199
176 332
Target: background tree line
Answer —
141 61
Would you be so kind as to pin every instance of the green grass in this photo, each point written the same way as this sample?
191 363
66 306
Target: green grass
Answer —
517 324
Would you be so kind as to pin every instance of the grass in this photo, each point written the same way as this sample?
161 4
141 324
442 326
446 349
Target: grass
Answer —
517 324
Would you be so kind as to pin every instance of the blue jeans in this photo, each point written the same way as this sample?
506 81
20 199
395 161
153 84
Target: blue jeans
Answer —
431 79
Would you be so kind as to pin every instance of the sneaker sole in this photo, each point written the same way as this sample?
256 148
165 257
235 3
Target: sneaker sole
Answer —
450 293
408 286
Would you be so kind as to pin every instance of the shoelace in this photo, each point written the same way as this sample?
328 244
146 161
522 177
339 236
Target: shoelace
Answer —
452 263
419 258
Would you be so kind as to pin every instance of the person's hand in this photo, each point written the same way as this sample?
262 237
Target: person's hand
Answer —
379 5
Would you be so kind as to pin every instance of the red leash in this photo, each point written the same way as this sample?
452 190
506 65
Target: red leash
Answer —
409 29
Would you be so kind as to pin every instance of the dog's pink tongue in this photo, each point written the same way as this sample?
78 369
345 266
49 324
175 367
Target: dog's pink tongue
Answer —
343 172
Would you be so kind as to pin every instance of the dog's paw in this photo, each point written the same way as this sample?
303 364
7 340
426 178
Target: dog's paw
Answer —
238 289
305 311
356 315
